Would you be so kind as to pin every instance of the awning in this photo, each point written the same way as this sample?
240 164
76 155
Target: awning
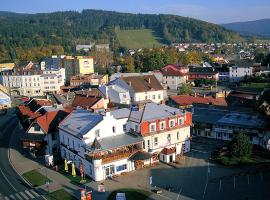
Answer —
140 155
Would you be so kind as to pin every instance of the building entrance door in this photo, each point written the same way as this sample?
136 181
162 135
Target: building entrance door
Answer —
171 158
109 170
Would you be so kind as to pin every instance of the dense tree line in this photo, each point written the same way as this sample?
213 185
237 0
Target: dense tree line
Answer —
40 34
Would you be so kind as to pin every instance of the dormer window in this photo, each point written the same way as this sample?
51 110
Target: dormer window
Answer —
180 121
153 127
162 125
171 122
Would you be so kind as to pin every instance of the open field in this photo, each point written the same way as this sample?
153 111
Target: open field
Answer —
137 38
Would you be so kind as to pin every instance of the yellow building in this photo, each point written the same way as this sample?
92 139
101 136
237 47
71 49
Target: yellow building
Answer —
78 65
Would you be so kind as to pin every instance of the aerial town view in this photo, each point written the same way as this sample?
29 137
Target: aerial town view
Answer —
135 100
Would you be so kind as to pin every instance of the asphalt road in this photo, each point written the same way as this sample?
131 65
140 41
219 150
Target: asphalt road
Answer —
11 184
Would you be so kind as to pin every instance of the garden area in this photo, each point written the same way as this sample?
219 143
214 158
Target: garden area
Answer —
131 194
240 152
35 178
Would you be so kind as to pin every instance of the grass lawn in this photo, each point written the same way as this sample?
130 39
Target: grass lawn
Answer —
230 161
131 194
255 85
137 38
60 194
35 178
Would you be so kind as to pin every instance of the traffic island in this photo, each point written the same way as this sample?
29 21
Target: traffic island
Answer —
131 194
35 178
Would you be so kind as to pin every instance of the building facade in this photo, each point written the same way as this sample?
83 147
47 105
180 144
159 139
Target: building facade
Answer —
236 74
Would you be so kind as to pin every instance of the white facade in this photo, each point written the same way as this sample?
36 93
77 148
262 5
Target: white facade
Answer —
26 84
236 74
116 94
34 83
73 148
155 96
174 82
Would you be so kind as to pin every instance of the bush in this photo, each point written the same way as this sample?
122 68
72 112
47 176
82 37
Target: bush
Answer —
241 146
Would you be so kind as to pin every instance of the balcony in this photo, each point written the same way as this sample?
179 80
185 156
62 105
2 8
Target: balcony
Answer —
223 130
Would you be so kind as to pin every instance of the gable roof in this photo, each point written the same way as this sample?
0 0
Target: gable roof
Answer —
49 121
174 70
185 100
85 101
143 83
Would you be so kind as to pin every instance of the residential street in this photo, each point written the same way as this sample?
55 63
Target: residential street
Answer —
11 184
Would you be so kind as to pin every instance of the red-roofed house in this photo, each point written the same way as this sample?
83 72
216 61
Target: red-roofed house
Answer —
185 101
89 102
174 76
42 135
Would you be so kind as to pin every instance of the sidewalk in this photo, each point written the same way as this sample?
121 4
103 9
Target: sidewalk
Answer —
22 164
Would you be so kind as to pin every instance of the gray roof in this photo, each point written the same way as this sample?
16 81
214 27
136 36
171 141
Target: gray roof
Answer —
80 121
120 113
117 141
206 115
152 111
243 120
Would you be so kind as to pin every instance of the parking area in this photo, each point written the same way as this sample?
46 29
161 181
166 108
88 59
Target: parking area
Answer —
197 178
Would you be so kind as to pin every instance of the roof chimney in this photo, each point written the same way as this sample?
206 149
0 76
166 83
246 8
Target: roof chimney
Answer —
149 80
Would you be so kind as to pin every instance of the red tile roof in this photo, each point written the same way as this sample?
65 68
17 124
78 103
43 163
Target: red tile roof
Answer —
50 121
185 100
174 70
24 110
167 151
85 101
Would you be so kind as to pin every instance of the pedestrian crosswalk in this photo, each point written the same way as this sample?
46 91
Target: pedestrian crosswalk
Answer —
24 195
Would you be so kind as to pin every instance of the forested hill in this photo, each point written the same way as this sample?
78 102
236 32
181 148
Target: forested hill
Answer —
61 31
257 27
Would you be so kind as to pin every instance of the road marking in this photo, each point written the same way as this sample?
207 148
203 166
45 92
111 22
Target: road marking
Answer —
208 166
24 196
179 193
205 186
29 194
248 179
220 182
234 182
12 197
6 198
7 180
18 196
34 192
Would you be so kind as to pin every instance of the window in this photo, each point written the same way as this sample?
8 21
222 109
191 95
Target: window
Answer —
156 141
121 167
113 129
124 127
148 143
180 121
178 134
152 127
171 123
169 137
97 133
154 97
159 96
36 127
162 125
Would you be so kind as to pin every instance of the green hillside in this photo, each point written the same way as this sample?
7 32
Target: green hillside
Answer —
137 38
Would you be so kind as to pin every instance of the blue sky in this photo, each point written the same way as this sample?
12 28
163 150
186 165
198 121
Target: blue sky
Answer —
217 11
